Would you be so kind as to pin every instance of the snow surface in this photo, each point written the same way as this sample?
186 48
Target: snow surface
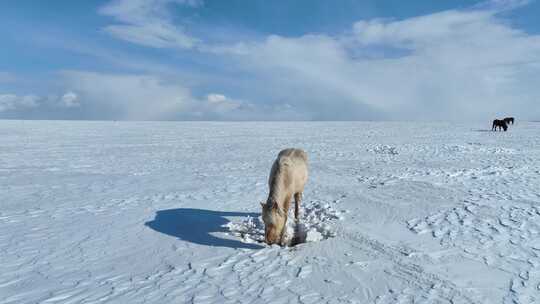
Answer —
168 212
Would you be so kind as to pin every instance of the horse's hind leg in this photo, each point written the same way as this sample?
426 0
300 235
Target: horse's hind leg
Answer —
297 200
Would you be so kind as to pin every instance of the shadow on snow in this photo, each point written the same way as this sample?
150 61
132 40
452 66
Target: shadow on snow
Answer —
198 226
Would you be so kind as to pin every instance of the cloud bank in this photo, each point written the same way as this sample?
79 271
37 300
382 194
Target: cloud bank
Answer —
10 102
450 65
145 97
467 64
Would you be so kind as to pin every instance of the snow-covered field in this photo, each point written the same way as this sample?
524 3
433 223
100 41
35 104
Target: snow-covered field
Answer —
167 212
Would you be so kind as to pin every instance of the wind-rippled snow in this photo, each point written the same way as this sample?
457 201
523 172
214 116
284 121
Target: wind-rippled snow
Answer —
168 212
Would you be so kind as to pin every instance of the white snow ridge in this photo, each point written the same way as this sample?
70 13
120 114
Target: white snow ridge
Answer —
168 212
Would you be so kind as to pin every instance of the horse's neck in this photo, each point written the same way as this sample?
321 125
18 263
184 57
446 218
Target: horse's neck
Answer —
277 197
278 191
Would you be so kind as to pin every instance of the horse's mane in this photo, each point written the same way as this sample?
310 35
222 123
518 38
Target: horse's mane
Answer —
278 179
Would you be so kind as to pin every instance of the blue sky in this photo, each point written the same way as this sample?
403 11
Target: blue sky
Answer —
269 60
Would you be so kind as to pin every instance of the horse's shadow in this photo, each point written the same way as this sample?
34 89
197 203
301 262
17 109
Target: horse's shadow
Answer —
198 226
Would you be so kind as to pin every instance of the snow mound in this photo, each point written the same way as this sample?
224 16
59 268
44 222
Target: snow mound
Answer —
384 149
476 148
316 224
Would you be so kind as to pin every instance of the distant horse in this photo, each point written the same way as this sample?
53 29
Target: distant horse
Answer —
501 124
509 120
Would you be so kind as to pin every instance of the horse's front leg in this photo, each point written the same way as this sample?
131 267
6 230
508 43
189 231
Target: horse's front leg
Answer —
297 201
286 206
281 238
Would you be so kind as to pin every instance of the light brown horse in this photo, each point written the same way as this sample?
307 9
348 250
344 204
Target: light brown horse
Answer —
287 178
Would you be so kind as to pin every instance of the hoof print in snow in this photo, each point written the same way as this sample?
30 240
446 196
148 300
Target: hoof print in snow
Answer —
316 224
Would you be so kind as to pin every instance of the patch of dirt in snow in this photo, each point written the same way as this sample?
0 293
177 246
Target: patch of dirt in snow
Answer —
316 224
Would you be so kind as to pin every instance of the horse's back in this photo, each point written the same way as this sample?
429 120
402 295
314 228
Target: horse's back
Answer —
293 162
293 153
509 119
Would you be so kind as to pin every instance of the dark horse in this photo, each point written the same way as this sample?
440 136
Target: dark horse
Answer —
501 124
509 120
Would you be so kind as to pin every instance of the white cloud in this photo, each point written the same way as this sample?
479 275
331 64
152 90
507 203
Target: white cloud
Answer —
125 96
70 100
9 102
132 97
221 107
448 65
501 5
148 97
216 98
455 64
221 104
148 23
154 35
23 103
423 31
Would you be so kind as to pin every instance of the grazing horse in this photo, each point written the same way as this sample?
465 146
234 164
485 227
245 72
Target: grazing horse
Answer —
509 120
288 176
501 124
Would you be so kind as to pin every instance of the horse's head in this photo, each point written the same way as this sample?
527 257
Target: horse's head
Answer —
274 222
505 127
